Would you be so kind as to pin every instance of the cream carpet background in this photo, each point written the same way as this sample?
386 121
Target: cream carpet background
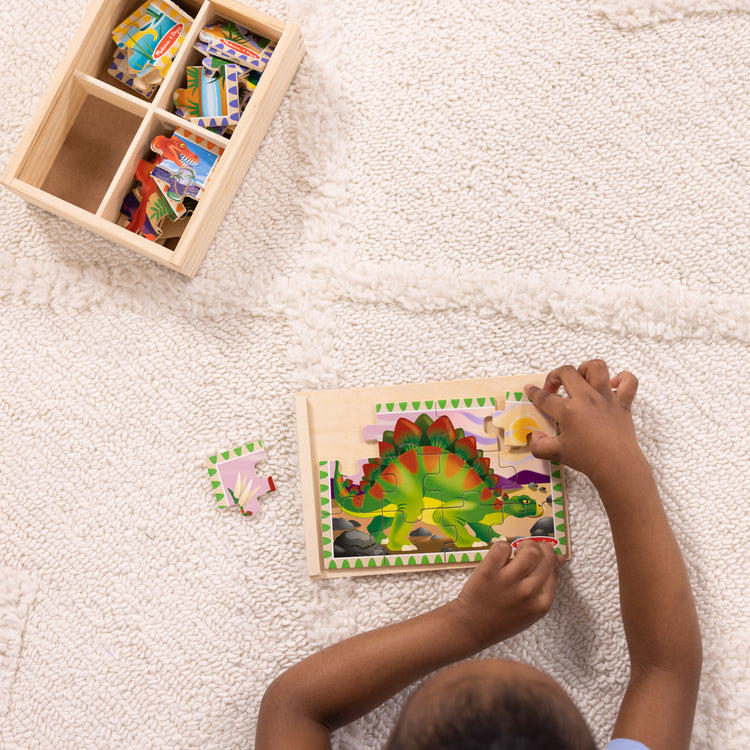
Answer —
454 189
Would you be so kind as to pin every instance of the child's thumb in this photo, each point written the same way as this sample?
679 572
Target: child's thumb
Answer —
544 446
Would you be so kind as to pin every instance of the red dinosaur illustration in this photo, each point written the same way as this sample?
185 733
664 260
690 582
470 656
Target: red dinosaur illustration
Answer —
167 149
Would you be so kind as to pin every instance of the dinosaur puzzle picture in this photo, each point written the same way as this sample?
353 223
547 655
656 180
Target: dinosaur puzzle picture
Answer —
445 479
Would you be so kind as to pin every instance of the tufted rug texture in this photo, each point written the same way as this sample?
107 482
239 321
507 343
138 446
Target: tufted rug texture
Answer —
450 189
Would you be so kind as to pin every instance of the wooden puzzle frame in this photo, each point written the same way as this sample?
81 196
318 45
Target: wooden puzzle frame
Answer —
79 152
330 426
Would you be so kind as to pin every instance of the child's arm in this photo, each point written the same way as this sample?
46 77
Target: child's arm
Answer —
346 680
597 437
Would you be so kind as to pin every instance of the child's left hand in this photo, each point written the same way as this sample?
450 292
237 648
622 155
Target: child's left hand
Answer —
504 596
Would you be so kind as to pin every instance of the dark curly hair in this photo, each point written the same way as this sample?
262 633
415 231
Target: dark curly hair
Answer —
507 716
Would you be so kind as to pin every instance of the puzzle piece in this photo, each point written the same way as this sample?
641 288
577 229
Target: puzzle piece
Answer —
247 88
204 156
210 100
437 486
234 480
218 90
153 208
151 35
171 183
471 415
136 211
146 84
519 419
235 43
387 414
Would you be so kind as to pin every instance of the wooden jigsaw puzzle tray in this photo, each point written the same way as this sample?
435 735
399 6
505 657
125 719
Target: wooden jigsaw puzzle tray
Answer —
79 153
424 476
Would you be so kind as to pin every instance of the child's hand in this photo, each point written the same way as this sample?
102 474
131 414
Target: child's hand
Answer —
504 596
597 436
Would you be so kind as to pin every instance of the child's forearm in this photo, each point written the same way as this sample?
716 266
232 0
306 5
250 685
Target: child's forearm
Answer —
658 611
501 597
346 680
597 436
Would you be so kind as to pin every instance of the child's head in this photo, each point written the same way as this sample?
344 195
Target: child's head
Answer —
490 704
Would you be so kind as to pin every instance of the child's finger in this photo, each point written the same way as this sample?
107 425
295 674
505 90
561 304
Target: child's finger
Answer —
596 373
545 446
533 559
548 585
567 376
626 386
498 555
546 572
547 402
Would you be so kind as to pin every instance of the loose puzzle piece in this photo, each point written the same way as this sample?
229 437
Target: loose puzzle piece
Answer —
146 84
153 34
151 208
233 477
431 495
218 91
471 416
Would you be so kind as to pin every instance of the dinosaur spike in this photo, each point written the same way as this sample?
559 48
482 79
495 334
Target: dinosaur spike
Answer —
406 434
466 447
441 433
368 470
386 450
423 421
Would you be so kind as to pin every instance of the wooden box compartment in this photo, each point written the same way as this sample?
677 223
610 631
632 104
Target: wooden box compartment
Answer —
78 156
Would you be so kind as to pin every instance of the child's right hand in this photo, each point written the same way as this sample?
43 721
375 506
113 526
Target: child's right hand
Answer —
505 595
597 436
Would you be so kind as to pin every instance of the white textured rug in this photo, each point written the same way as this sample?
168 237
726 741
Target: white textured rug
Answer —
450 189
17 591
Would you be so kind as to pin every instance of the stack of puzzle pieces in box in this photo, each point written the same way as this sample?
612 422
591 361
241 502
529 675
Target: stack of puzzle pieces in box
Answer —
147 42
171 184
218 91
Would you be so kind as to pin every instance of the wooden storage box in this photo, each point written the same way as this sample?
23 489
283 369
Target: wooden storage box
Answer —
78 156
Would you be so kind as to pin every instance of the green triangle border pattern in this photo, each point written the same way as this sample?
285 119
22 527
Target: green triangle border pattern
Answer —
395 407
435 405
516 397
558 506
